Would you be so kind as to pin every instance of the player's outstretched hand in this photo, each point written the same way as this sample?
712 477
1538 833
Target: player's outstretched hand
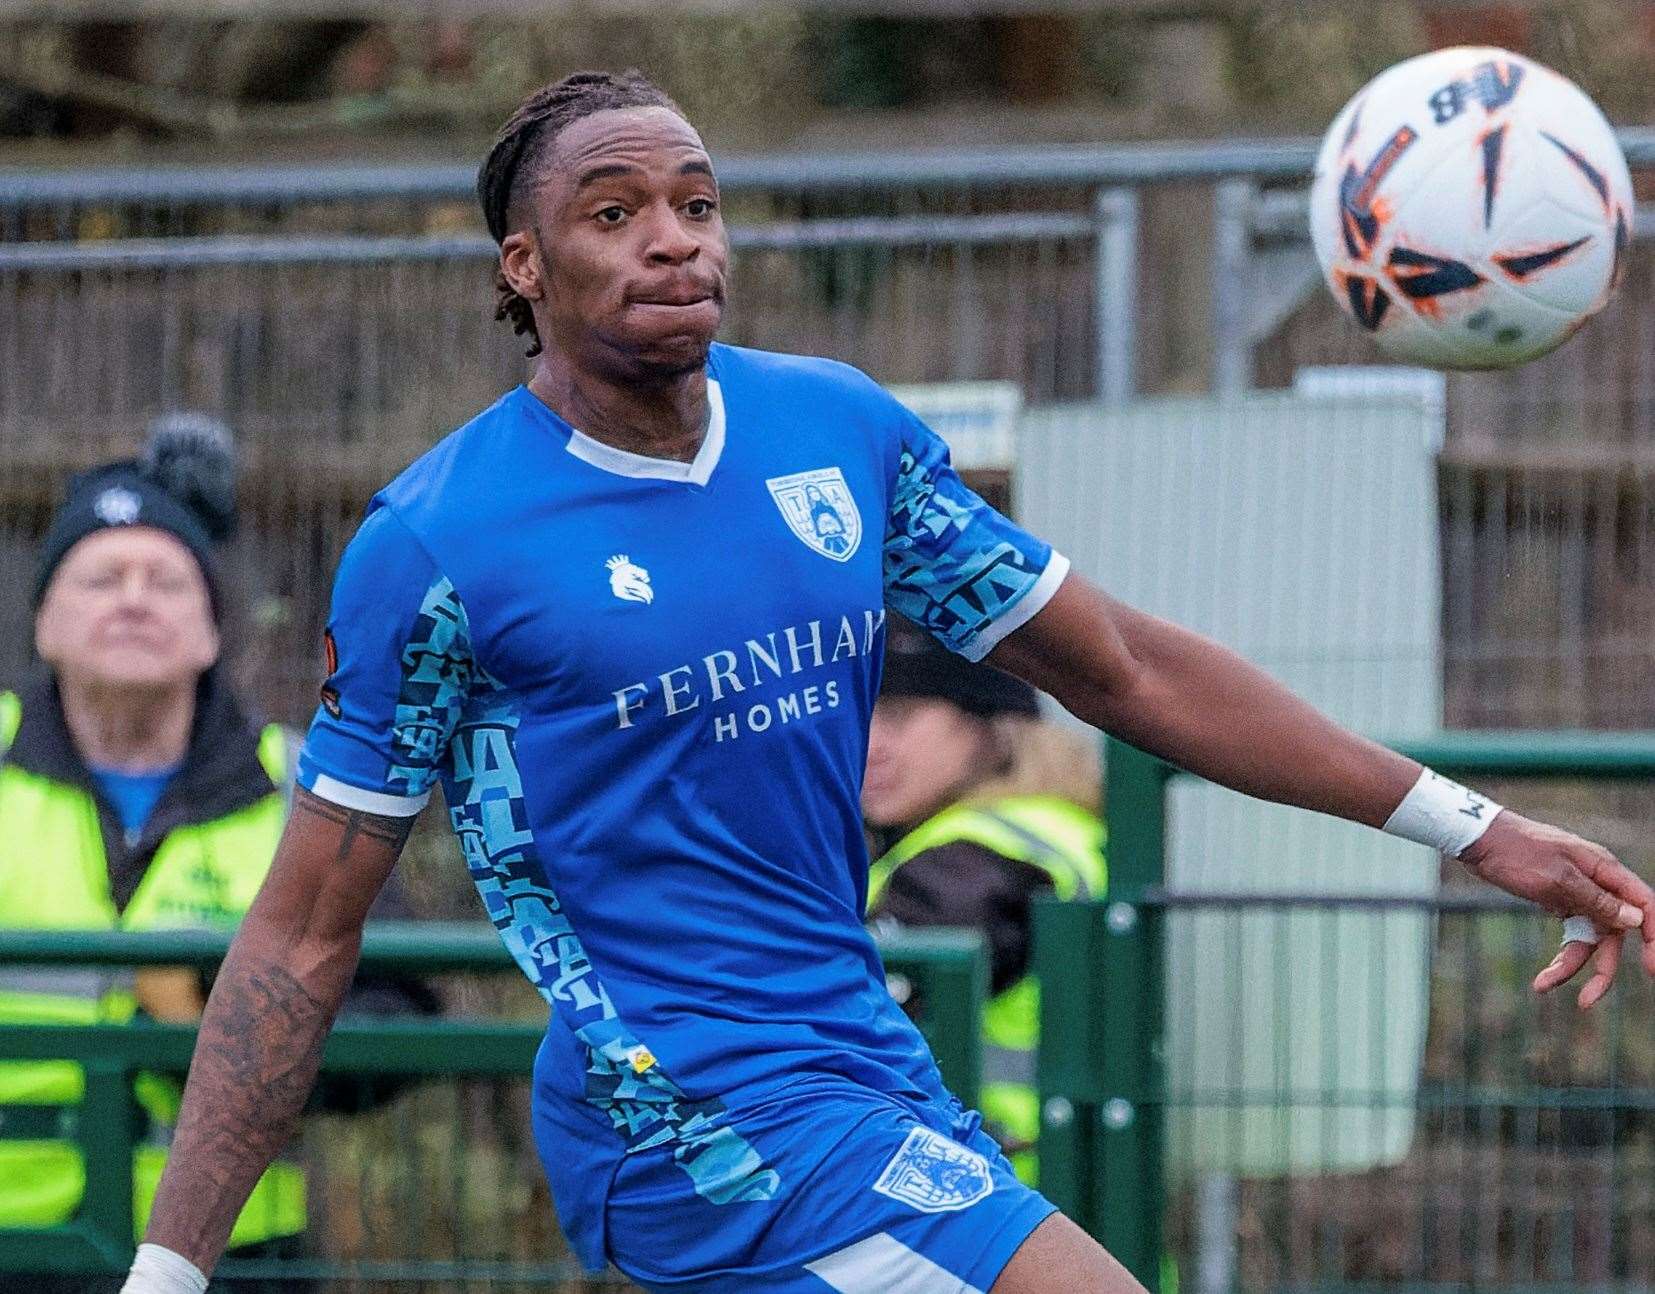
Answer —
1568 877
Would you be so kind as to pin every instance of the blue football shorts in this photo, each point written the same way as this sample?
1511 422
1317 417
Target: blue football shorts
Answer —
875 1197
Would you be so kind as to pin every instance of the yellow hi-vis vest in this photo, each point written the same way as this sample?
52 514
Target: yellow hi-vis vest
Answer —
1066 843
54 876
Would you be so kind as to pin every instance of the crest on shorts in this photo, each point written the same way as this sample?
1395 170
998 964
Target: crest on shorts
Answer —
934 1174
820 510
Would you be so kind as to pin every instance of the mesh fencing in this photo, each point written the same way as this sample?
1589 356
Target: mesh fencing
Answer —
338 361
1524 1158
340 318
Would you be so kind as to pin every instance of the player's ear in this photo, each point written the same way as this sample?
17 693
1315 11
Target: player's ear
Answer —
521 265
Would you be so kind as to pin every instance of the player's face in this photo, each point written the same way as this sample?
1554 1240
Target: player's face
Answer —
923 753
127 607
632 245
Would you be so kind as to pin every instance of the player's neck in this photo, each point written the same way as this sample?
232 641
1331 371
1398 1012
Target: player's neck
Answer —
669 421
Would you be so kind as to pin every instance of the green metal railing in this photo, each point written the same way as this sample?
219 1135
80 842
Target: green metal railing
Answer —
1102 1068
1104 1084
945 972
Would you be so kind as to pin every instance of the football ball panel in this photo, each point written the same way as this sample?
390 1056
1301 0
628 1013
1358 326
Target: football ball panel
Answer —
1555 257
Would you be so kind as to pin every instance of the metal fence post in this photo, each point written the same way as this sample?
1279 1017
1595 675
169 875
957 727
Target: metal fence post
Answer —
108 1131
1233 201
1115 289
1135 806
1131 1138
1067 964
1101 1064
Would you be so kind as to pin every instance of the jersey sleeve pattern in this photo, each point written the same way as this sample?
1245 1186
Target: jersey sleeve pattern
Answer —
436 678
401 670
953 564
624 1081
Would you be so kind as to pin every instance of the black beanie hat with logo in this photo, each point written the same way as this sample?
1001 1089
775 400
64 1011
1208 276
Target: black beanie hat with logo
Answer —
917 665
184 482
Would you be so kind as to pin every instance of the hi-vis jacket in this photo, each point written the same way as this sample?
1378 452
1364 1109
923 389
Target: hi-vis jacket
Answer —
66 864
1063 844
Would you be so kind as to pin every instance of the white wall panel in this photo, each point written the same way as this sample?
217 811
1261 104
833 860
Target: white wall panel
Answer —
1303 533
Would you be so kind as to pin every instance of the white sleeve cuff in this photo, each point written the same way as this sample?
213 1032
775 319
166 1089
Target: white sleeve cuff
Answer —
354 797
1022 611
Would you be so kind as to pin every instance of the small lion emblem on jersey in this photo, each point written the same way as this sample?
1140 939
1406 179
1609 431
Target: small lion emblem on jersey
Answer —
935 1174
628 581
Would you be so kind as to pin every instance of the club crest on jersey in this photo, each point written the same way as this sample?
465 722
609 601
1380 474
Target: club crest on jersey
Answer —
819 508
934 1174
629 581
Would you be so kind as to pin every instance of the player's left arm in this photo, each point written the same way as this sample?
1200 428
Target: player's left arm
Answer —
1200 706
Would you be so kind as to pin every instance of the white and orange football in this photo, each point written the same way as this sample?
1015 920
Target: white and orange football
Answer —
1471 209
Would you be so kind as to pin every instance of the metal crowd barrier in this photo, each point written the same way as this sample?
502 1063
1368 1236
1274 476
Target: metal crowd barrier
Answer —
1521 1152
943 972
340 318
1260 266
1530 1162
62 192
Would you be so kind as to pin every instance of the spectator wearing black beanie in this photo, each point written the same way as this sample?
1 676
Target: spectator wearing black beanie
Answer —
136 794
182 483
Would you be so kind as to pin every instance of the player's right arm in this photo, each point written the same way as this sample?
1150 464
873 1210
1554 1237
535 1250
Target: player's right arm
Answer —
271 1008
399 672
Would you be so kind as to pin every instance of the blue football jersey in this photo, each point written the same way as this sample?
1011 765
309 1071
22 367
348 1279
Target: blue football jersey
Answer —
645 687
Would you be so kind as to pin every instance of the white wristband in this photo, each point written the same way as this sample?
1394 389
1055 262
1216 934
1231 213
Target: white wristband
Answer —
158 1270
1441 813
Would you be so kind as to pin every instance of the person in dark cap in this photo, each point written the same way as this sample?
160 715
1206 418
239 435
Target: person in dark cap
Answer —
982 807
135 793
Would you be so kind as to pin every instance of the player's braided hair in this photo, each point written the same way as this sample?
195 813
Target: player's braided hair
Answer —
522 145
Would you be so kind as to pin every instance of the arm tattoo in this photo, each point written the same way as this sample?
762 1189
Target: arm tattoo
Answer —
261 1037
390 832
255 1062
263 1048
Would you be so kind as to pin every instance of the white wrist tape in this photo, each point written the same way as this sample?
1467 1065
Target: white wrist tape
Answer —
1580 930
157 1270
1441 813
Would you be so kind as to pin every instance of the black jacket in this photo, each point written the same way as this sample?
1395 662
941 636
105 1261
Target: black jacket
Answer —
963 883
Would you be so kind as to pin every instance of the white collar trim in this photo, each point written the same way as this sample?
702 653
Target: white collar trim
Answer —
621 462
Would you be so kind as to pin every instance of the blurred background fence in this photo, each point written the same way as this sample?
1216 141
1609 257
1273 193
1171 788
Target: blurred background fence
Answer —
1528 1159
341 319
1275 1127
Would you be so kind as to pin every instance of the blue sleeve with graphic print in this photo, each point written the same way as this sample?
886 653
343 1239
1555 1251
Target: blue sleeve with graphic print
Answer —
400 668
953 564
